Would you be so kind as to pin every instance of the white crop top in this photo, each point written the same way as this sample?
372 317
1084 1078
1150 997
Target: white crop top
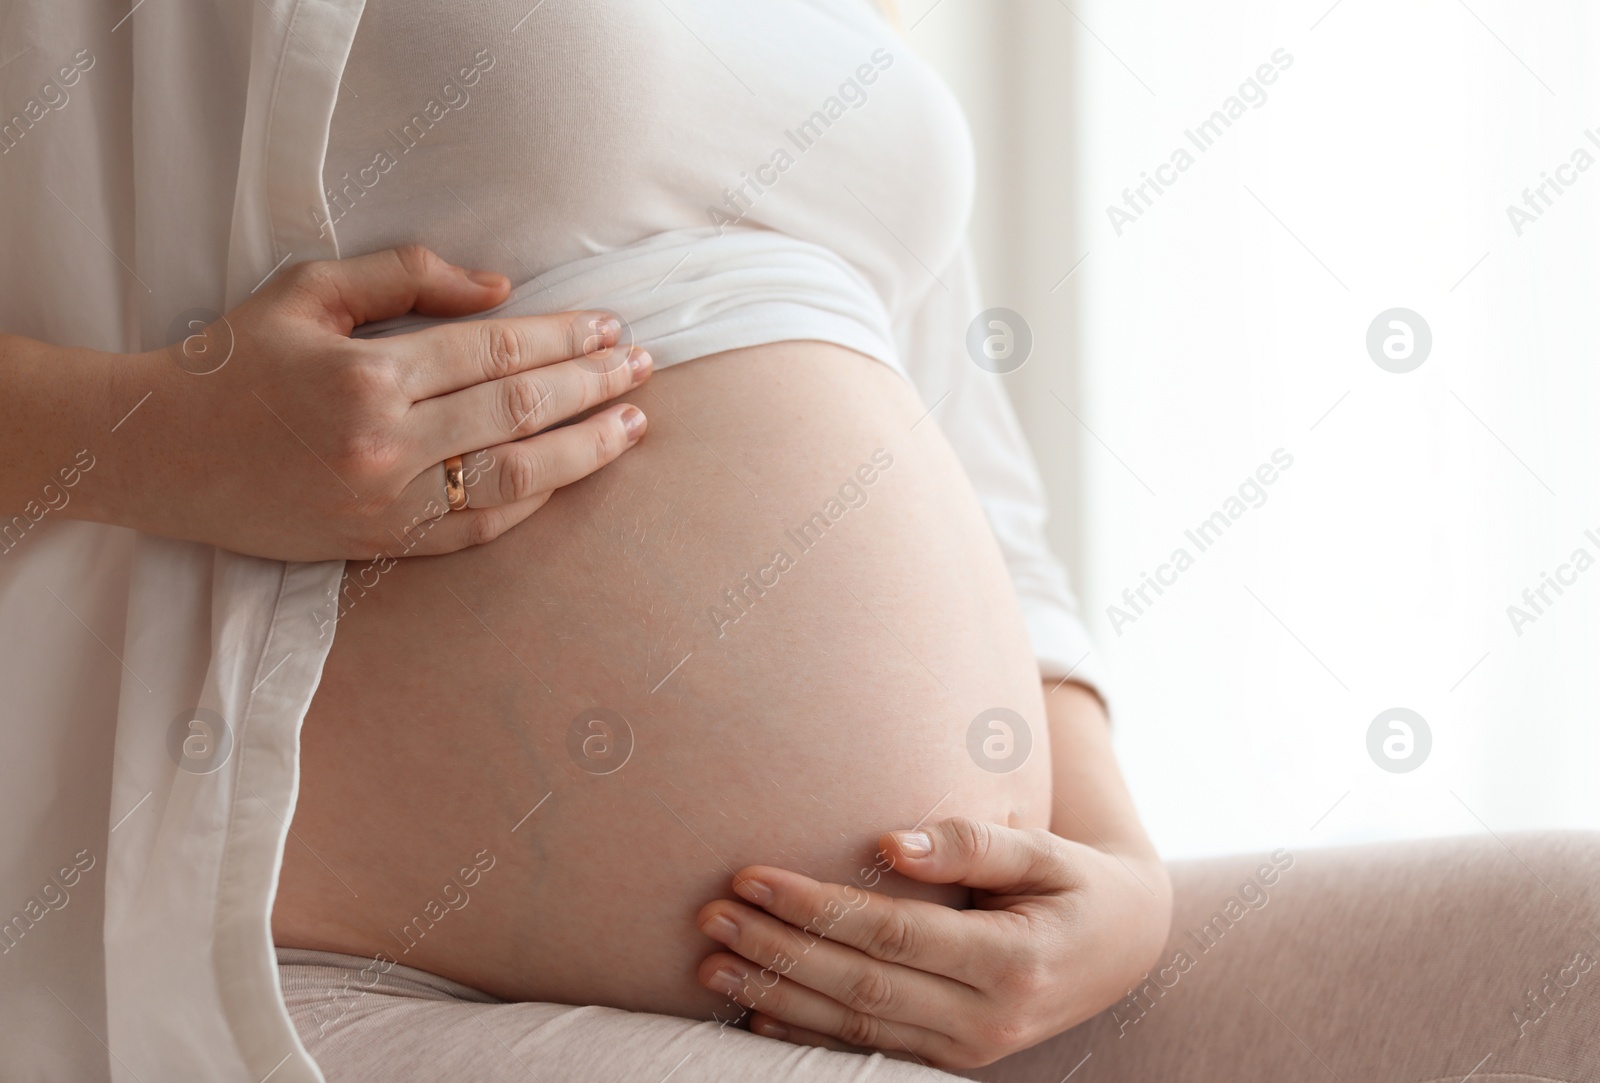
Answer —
720 174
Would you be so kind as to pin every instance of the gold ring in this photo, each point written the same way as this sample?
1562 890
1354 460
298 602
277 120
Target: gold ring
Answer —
455 484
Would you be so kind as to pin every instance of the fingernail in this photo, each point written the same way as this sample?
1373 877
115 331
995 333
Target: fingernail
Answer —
639 363
606 326
633 421
721 930
913 843
726 981
771 1030
754 890
486 278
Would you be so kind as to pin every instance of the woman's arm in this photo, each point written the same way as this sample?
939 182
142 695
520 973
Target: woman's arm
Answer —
272 432
1092 805
57 407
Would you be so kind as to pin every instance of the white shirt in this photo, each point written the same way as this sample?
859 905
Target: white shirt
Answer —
171 159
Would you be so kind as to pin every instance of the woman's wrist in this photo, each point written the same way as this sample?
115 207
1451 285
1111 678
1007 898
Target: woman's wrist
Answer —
59 417
127 436
1092 805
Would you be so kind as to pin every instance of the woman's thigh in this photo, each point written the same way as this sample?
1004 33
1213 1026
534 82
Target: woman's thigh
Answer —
362 1026
1425 961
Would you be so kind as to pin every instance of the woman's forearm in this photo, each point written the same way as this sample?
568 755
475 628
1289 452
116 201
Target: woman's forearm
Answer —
59 411
1091 804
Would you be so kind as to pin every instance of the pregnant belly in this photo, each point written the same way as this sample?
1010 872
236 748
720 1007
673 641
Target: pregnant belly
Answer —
762 636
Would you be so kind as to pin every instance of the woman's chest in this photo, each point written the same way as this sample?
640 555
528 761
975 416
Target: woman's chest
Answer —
582 126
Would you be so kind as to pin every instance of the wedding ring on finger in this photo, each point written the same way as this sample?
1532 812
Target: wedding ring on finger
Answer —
455 484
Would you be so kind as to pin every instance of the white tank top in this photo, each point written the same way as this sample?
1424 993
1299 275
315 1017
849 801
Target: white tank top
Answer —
719 173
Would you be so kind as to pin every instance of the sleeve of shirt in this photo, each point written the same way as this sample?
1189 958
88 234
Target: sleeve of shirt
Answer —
971 407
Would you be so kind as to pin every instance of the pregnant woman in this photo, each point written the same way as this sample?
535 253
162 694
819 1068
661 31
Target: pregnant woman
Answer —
627 768
779 624
758 740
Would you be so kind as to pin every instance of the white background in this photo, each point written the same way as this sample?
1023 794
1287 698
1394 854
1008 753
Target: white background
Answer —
1224 324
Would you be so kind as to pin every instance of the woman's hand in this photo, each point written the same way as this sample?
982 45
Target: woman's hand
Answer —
272 432
1061 931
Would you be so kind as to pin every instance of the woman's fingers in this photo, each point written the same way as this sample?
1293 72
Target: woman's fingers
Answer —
514 407
436 530
511 473
1002 860
449 357
957 988
844 974
795 1005
958 944
350 292
515 473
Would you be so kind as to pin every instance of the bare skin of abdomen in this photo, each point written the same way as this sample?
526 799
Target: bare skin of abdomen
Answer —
788 595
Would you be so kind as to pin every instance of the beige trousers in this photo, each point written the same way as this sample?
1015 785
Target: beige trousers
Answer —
1412 963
